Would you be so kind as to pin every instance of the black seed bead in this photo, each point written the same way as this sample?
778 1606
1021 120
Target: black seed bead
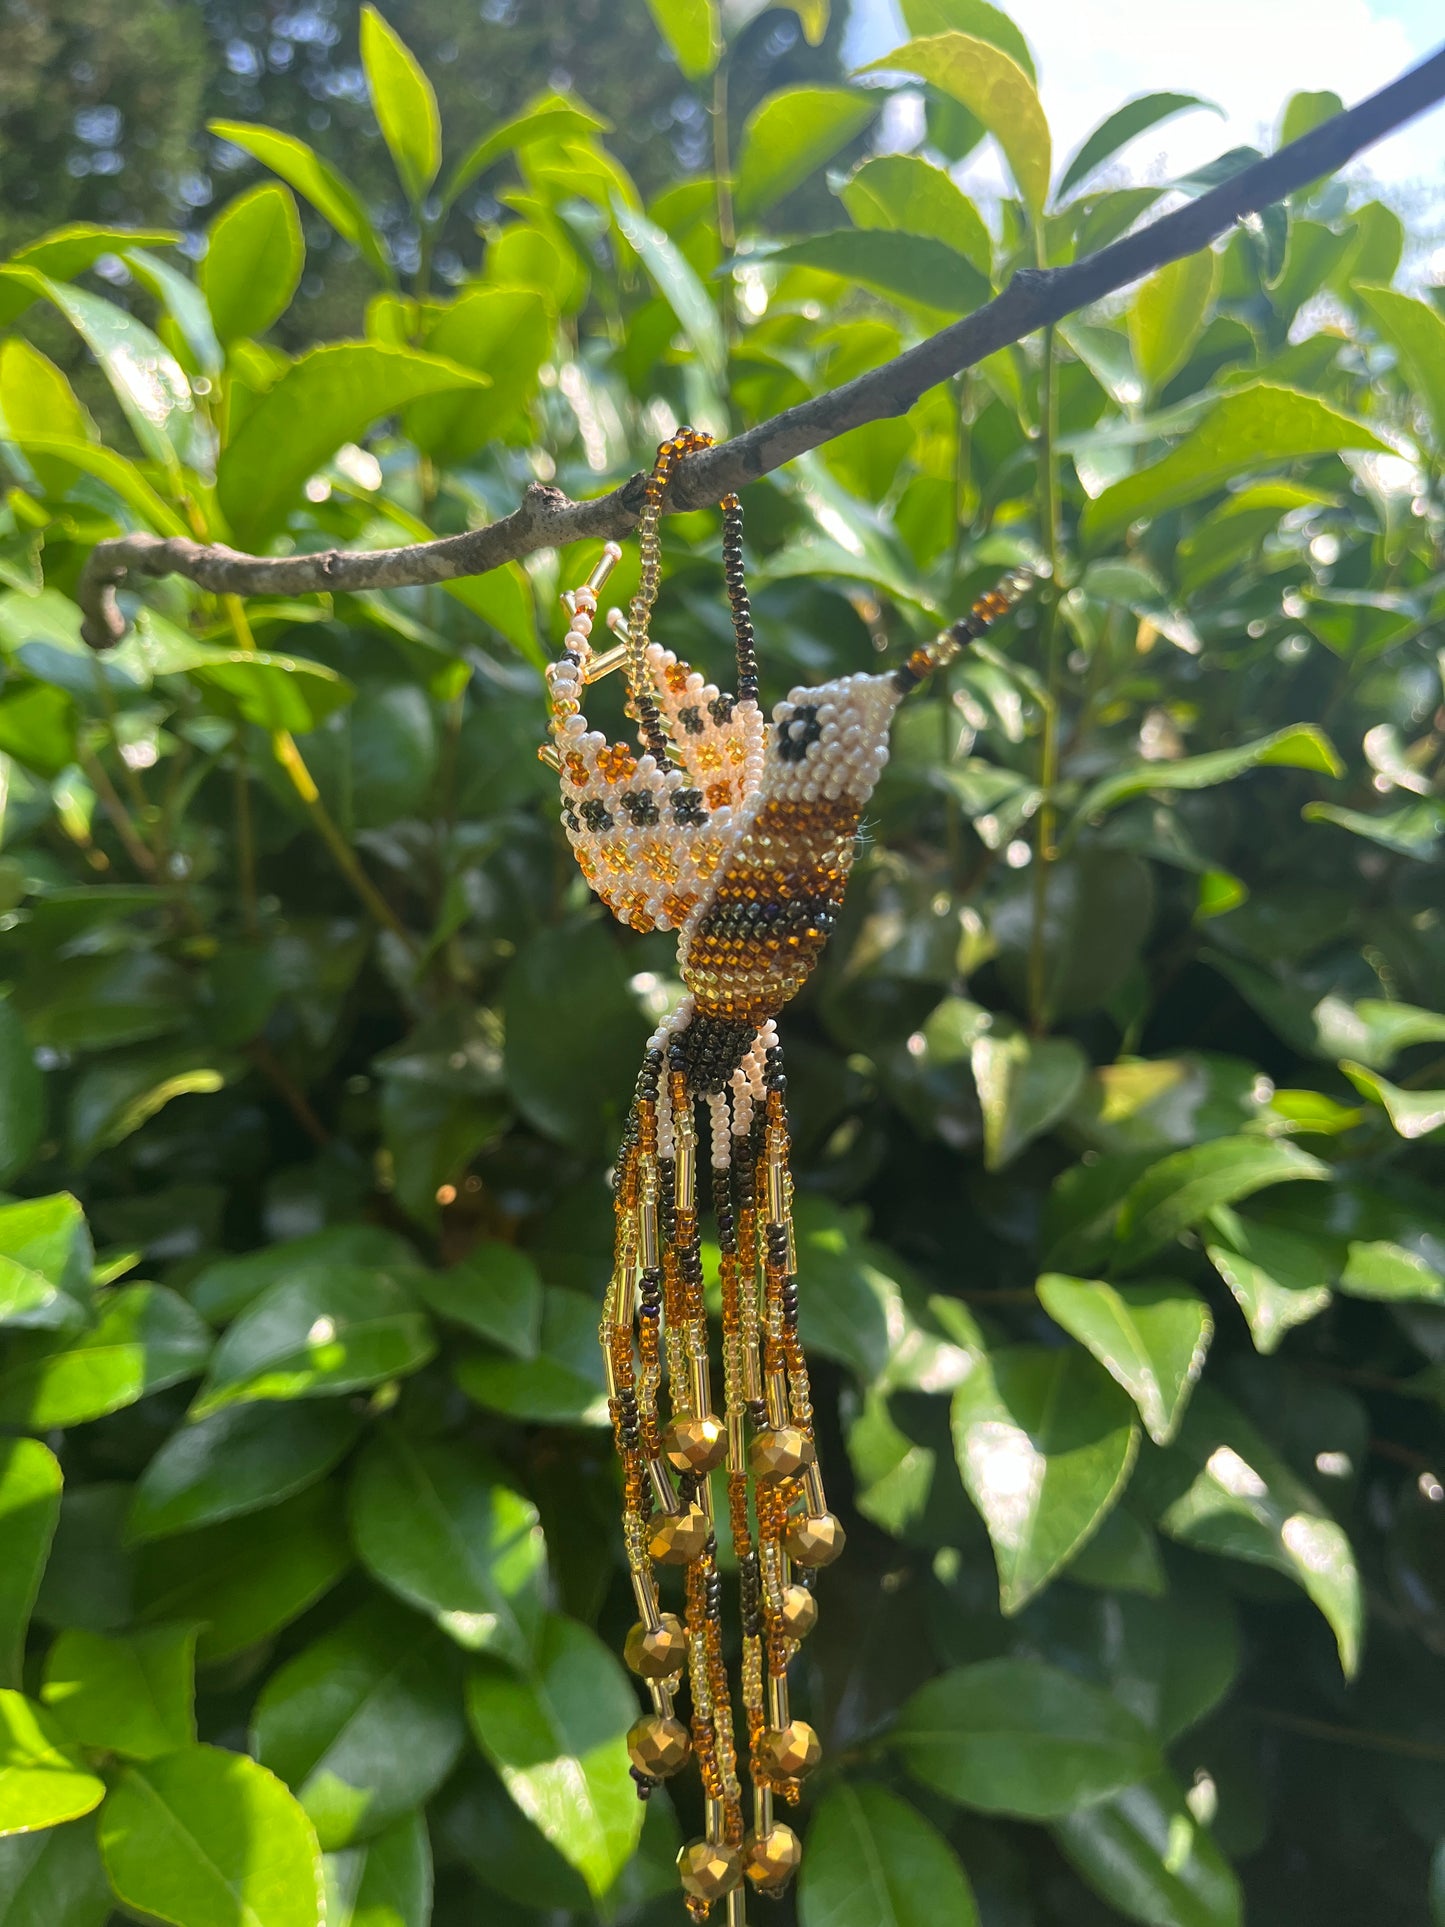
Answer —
645 1787
758 1413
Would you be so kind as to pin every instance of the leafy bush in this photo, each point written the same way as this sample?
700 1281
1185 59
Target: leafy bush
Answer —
1117 1097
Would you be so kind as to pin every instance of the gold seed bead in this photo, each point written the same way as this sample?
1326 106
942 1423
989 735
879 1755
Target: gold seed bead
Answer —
780 1453
771 1859
800 1611
657 1653
677 1538
658 1746
790 1751
696 1444
708 1870
814 1541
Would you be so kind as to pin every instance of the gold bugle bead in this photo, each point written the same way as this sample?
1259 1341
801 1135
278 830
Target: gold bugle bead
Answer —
780 1453
814 1540
709 1870
662 1490
771 1859
676 1539
603 664
813 1488
696 1444
658 1747
800 1611
548 755
790 1751
606 562
657 1652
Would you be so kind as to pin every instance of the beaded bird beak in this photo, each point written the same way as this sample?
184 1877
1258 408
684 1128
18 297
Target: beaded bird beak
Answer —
739 836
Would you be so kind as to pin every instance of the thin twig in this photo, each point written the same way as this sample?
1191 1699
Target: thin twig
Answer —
546 518
1398 1743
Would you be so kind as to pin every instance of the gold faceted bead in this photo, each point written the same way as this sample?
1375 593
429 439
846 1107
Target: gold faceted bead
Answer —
658 1746
709 1870
780 1453
656 1654
790 1751
677 1538
816 1541
800 1611
696 1444
771 1859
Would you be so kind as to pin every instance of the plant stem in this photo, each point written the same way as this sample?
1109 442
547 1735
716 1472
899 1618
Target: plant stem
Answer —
136 847
1045 850
246 843
721 158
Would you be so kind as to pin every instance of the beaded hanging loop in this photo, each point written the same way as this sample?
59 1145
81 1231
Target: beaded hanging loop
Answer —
740 837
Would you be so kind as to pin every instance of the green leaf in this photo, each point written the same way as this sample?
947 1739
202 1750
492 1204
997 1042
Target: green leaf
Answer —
66 252
129 1695
1374 1032
36 399
495 1292
89 1577
45 1259
239 1460
363 1725
1256 426
1416 332
905 193
53 1879
1413 1113
789 136
246 1578
1151 1337
145 1338
326 1330
37 728
30 1483
1025 1085
1125 124
1181 1189
404 104
114 1098
1168 313
1045 1444
330 396
222 1290
692 33
253 261
677 282
438 1527
995 89
908 266
550 117
1144 1853
22 1098
206 1838
1225 1490
1015 1736
562 1385
507 335
874 1861
555 1735
812 18
385 1883
978 17
1378 1268
333 197
112 469
185 307
1122 1556
1416 830
1280 1278
43 1780
567 1086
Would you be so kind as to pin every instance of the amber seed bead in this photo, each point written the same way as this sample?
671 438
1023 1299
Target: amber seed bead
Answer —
780 1453
791 1751
708 1870
814 1541
800 1611
657 1746
696 1444
771 1859
657 1654
677 1538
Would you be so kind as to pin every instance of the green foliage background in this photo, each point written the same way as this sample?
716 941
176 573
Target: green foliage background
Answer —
1118 1098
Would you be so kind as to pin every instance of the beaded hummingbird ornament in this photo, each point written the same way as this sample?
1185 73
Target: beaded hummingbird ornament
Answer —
737 834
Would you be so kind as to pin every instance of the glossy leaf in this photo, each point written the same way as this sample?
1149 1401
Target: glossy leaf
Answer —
505 334
333 197
30 1483
1374 1032
1015 1736
1126 124
1379 1268
1025 1085
53 1879
385 1883
978 17
144 1339
224 1288
495 1292
551 116
363 1725
908 194
404 104
1168 313
871 1860
566 1085
995 89
1417 333
692 33
911 267
206 1838
45 1260
678 284
790 136
327 1330
185 308
241 1459
1152 1338
1045 1444
555 1735
1416 830
1186 1186
253 261
562 1385
131 1696
1143 1852
1413 1113
438 1527
64 253
1280 1278
1302 746
43 1779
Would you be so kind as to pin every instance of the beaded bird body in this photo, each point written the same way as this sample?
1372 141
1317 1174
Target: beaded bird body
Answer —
739 836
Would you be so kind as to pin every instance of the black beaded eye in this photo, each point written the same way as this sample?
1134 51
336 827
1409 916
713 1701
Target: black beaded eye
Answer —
596 815
687 809
640 807
691 720
721 710
798 732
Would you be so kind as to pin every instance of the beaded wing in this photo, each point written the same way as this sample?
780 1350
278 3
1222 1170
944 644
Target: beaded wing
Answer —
737 833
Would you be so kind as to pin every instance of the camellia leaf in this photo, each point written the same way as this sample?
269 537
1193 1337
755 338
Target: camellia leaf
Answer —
995 89
185 307
1301 746
677 282
1256 426
145 1338
1416 332
43 1780
1181 1189
1374 1032
239 1460
327 1330
1168 313
439 1528
790 136
387 1882
495 1292
1413 1113
551 116
38 727
1416 830
53 1879
1145 1853
64 253
207 1838
330 396
978 17
910 266
555 1733
562 1385
30 1483
364 1725
224 1289
908 194
334 198
1125 124
114 470
1151 1337
253 261
874 1861
1378 1268
1280 1278
22 1098
691 30
404 104
45 1261
1025 1085
130 1695
1045 1443
506 334
567 1087
1016 1736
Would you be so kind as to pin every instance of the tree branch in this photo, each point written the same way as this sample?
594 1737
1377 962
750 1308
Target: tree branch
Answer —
546 518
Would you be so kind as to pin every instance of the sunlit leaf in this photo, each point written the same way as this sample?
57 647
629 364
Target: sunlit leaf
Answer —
1125 124
691 30
872 1860
792 134
1168 313
301 167
1413 1113
1152 1338
404 104
253 261
1301 746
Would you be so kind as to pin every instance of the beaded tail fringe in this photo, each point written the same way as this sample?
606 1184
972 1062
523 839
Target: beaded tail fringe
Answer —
740 837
